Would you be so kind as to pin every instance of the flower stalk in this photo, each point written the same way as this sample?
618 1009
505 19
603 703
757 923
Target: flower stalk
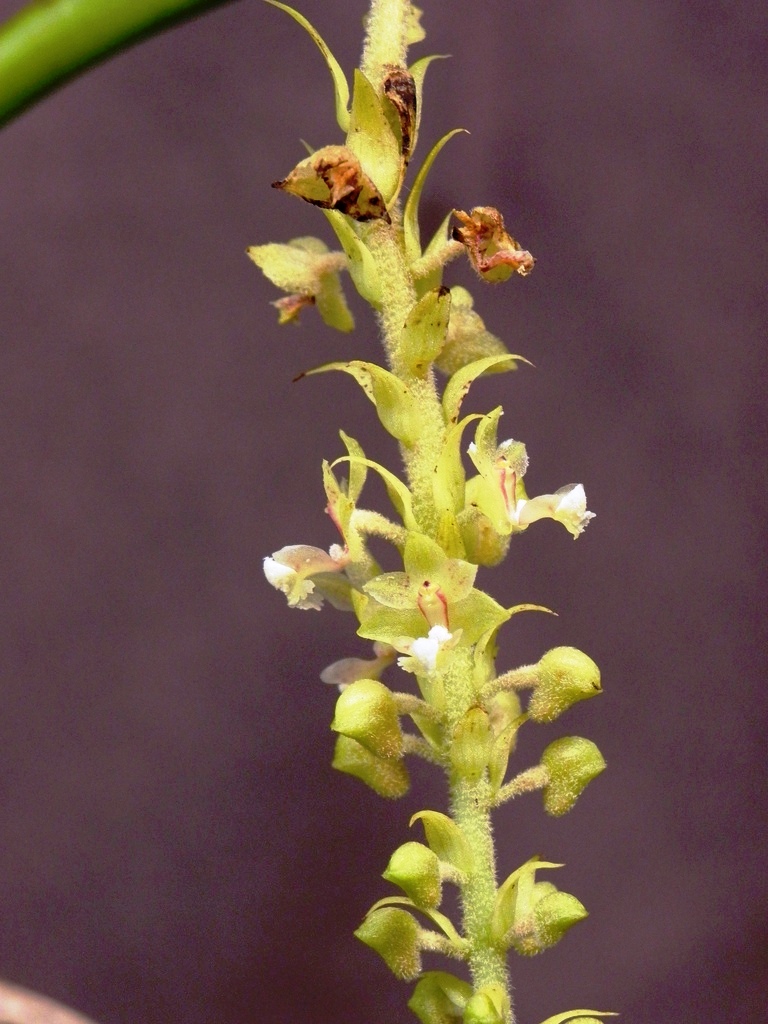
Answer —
460 501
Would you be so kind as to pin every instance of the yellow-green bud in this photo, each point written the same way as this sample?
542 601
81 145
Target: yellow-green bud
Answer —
416 869
553 914
482 543
366 712
386 776
439 998
572 762
394 934
489 1005
565 676
471 745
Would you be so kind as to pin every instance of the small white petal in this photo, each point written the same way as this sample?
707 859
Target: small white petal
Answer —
278 575
425 648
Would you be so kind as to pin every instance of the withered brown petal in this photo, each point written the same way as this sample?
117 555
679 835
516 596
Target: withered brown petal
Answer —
333 179
492 251
290 306
400 90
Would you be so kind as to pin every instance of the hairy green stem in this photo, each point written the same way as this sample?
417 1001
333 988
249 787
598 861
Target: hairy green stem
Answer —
388 248
386 37
470 805
470 801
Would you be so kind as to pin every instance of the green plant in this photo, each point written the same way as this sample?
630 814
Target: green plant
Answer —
429 617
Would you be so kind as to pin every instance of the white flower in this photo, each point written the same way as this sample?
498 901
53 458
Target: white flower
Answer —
423 650
568 506
289 570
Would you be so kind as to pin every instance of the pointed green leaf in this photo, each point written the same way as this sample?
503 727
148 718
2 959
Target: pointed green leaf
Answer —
424 558
398 493
371 139
475 614
517 888
340 86
460 383
489 1005
419 69
425 281
471 744
397 408
389 625
357 468
449 477
582 1016
362 266
423 335
443 923
446 839
411 211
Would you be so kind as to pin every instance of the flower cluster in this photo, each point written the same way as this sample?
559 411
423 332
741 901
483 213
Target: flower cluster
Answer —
455 508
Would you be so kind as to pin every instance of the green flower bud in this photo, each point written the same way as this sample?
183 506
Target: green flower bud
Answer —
553 914
483 544
572 763
468 339
565 676
439 998
489 1005
416 869
386 776
394 934
471 745
366 711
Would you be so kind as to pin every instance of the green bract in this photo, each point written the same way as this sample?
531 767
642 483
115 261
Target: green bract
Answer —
340 87
439 998
489 1005
446 839
472 744
397 408
372 140
425 329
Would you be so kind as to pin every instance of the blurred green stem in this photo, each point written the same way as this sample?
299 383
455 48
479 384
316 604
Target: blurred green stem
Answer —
48 41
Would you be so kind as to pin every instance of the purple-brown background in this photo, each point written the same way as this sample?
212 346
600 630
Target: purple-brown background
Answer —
174 846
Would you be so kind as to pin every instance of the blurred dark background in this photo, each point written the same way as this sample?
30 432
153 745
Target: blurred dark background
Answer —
174 844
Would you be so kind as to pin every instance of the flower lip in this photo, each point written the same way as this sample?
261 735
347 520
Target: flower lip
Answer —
290 570
421 653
